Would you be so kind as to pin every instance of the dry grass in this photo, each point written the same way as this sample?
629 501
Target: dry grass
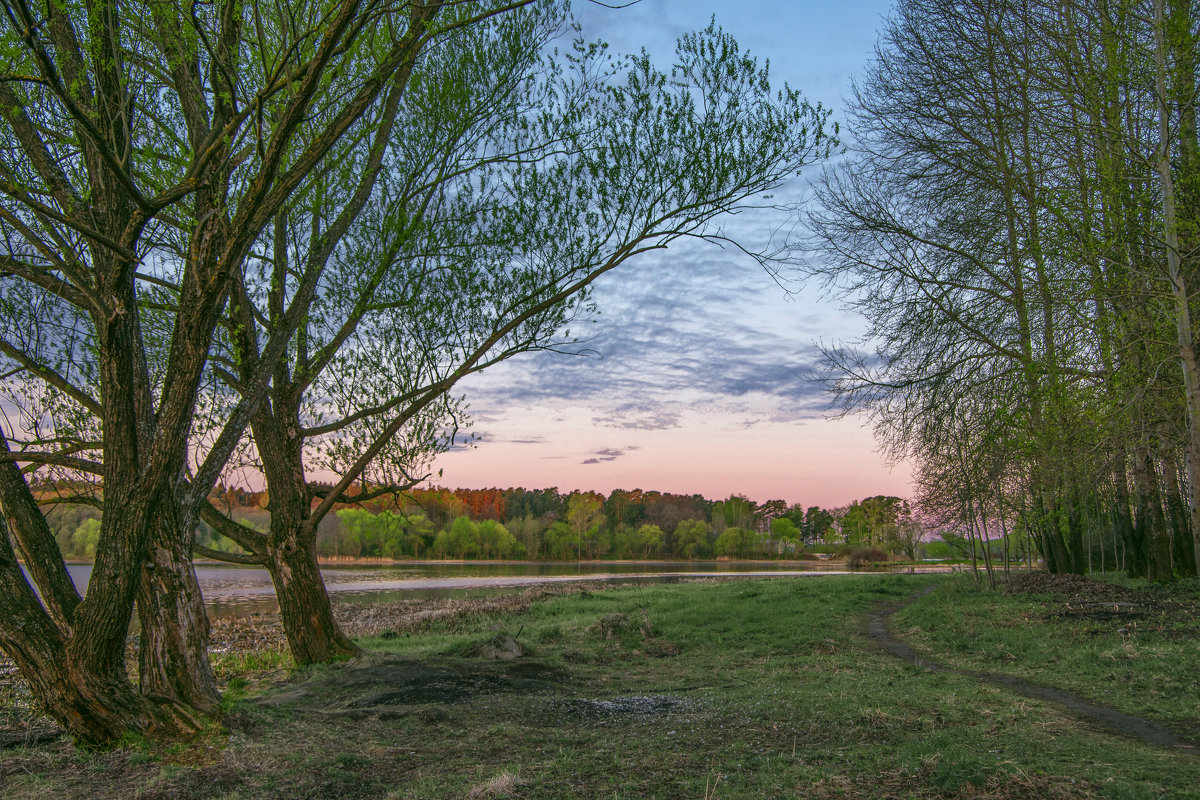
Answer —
506 784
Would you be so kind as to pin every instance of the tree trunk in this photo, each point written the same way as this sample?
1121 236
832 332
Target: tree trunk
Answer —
33 536
289 549
1054 549
1150 523
1075 524
92 702
313 635
1178 281
1183 554
173 654
1133 532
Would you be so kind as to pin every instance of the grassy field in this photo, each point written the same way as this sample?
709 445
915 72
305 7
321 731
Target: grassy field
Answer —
1132 646
724 689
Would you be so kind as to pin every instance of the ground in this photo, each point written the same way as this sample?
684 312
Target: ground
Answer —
719 689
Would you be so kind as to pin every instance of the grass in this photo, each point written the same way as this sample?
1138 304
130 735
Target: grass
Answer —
730 689
1140 656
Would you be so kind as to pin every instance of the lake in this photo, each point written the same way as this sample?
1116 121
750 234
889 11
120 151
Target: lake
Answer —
231 589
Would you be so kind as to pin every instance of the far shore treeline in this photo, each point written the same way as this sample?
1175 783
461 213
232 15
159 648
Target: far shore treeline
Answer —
546 524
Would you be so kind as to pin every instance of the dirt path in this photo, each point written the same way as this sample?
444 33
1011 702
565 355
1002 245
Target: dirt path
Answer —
1136 727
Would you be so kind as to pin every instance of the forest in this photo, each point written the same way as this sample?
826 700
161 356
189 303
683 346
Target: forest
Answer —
551 525
547 524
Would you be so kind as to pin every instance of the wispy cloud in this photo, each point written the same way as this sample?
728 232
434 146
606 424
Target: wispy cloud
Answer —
642 416
607 454
673 332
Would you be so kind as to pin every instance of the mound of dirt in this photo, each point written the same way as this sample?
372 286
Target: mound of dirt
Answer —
376 683
1077 587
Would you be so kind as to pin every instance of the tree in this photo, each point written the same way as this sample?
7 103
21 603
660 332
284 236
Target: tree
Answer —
817 525
734 542
1003 221
562 542
738 511
148 148
691 539
650 540
584 514
414 301
496 541
909 533
86 537
784 531
514 261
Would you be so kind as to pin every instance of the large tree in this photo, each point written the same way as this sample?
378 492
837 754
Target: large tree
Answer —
146 143
500 235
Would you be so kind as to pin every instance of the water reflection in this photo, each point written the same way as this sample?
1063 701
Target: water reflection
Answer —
232 590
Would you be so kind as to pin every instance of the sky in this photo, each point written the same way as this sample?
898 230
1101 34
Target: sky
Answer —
696 378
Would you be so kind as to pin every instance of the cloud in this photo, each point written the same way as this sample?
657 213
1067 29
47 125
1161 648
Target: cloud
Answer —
607 454
683 329
640 417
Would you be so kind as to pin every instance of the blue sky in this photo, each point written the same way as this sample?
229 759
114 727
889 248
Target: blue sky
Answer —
696 378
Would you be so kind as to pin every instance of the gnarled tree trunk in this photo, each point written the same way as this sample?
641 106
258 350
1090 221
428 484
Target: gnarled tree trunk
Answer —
173 659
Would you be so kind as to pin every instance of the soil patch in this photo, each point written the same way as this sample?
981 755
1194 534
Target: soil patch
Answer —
1076 587
1156 607
1146 730
377 683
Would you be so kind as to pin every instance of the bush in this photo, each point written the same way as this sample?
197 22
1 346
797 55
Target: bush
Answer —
865 557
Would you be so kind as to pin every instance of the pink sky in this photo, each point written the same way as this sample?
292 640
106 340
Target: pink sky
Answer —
813 462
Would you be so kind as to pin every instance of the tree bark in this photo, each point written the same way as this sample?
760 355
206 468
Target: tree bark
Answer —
33 536
92 699
1183 554
1178 281
313 634
173 661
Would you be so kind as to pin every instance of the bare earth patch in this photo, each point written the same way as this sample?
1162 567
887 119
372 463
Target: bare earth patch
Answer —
1077 587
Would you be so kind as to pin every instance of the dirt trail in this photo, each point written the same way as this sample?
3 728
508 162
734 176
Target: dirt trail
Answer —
1136 727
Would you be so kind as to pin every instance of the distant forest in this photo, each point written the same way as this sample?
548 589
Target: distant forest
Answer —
547 524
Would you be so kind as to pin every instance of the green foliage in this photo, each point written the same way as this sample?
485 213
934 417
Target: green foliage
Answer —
818 525
562 542
873 521
85 539
692 539
496 542
736 543
736 511
362 534
591 527
650 540
785 532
